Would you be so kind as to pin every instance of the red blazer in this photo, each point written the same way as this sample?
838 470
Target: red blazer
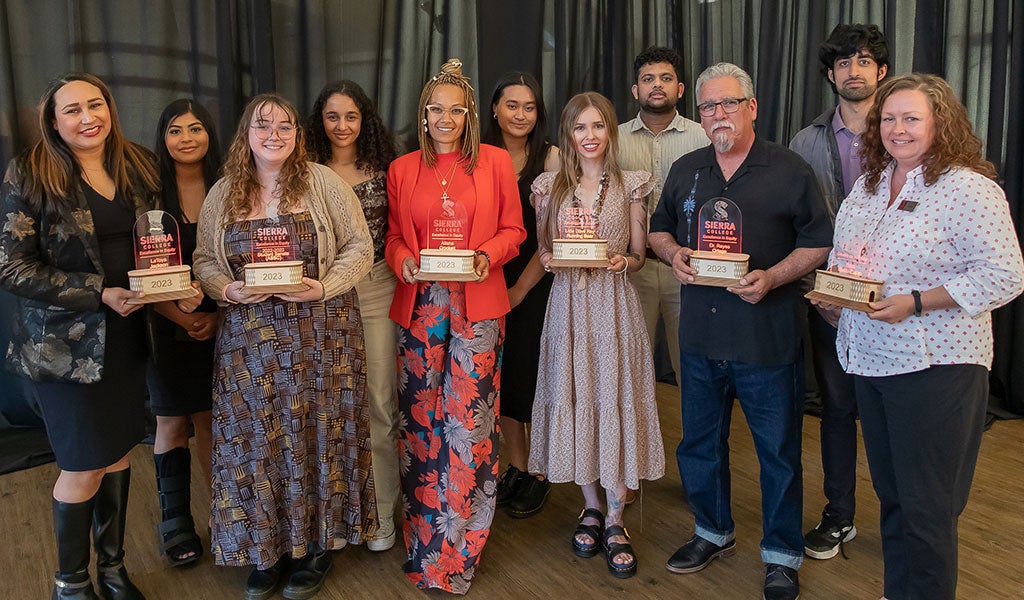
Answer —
497 229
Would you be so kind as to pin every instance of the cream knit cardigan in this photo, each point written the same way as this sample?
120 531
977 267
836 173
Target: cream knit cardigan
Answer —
344 246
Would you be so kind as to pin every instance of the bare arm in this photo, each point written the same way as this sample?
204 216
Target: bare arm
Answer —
674 255
753 287
530 276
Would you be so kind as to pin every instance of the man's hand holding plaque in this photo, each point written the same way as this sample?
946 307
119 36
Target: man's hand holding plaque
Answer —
159 274
718 260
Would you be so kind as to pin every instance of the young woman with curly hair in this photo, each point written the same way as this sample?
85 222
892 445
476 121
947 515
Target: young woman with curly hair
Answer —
291 451
347 135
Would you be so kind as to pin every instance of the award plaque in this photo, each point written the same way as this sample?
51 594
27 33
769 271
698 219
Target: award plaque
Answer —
159 273
719 260
579 245
843 289
273 268
446 256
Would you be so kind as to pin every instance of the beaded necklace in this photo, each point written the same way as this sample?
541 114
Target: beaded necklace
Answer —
590 222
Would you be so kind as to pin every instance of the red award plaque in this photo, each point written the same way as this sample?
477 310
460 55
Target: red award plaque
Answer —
158 272
719 260
273 268
447 256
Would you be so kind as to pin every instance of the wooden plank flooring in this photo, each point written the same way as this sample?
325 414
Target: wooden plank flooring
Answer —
531 558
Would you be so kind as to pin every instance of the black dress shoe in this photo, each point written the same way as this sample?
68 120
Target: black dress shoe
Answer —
262 583
508 485
781 583
697 554
308 577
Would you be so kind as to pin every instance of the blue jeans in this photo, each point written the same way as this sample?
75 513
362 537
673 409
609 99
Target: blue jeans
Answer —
772 401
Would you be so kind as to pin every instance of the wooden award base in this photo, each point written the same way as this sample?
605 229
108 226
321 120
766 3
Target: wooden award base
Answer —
161 284
718 269
588 253
274 277
842 289
446 265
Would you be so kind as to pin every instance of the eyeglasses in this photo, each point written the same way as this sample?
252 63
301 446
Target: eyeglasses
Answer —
285 131
436 110
729 105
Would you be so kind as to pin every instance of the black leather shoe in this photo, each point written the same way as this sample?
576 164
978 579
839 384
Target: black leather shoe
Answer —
533 491
781 583
262 584
697 554
508 485
308 577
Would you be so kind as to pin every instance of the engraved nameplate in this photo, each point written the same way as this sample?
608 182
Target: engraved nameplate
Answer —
579 253
719 269
446 265
843 289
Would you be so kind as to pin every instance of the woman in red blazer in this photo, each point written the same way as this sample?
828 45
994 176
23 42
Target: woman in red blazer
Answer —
452 193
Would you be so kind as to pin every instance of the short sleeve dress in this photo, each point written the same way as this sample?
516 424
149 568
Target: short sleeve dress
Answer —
595 416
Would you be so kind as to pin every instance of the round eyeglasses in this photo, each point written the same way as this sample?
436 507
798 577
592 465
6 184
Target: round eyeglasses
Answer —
285 131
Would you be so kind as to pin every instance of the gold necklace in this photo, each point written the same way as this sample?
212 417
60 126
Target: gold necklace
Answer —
444 181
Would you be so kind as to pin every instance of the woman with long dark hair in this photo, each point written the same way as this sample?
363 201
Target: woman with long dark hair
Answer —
518 124
181 371
70 204
347 135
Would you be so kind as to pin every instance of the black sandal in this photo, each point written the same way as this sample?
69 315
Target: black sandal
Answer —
614 549
594 531
178 537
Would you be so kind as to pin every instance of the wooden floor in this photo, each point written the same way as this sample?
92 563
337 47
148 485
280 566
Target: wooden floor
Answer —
532 559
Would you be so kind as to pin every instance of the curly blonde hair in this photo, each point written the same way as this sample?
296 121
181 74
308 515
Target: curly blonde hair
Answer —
564 185
451 74
954 144
240 167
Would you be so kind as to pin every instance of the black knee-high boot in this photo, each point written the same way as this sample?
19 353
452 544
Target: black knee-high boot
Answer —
71 524
108 537
177 530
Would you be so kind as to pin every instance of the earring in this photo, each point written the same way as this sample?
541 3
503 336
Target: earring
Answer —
495 116
425 125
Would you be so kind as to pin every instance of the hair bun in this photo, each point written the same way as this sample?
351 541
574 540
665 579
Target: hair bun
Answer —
452 66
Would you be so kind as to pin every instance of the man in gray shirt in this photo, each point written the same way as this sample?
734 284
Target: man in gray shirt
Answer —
652 142
854 59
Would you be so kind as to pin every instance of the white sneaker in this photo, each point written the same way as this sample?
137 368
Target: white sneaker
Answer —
385 537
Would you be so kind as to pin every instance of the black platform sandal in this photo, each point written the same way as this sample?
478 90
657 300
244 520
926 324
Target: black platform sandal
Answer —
179 541
594 531
614 549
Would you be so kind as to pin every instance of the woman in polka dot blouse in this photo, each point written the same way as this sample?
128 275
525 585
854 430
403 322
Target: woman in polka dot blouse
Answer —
928 219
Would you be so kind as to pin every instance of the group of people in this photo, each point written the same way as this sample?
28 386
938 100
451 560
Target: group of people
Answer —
373 387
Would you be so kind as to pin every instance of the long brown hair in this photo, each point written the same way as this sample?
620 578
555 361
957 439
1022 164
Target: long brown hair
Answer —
568 176
451 74
240 167
50 168
954 144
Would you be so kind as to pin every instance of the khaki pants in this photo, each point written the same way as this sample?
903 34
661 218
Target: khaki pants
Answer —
659 297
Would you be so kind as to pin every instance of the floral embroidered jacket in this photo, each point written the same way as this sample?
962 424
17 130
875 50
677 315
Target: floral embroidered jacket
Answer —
52 265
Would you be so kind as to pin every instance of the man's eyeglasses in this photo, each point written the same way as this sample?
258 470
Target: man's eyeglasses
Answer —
436 110
285 131
729 105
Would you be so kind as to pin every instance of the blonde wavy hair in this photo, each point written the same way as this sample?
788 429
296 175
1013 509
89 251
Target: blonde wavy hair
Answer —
954 144
469 151
568 176
240 166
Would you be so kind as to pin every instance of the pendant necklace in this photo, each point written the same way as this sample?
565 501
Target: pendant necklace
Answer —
445 182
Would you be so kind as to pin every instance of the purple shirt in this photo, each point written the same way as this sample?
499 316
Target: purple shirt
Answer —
849 152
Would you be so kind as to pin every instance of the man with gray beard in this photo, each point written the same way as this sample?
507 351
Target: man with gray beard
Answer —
742 341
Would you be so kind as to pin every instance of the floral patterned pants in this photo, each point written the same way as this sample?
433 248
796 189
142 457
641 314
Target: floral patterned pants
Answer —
449 376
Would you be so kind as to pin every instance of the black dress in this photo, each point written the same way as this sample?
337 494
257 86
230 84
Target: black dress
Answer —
524 324
181 372
92 426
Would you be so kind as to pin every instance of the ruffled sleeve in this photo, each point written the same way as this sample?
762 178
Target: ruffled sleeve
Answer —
541 192
638 184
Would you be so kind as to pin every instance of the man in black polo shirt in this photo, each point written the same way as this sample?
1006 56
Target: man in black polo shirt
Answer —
744 341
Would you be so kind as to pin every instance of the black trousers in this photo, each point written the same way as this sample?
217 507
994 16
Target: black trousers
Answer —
838 420
922 432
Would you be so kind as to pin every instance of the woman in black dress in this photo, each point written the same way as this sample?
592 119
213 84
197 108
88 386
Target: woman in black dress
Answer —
70 204
518 122
181 372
